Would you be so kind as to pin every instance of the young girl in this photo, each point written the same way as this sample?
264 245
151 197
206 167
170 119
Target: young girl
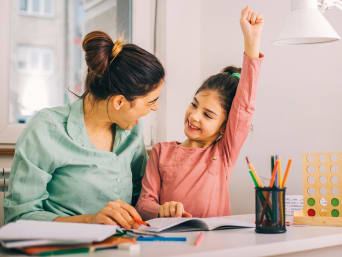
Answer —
191 178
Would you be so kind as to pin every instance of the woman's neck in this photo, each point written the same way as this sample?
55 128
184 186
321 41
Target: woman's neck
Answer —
96 114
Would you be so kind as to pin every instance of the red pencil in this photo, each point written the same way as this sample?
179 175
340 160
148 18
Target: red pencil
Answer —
199 239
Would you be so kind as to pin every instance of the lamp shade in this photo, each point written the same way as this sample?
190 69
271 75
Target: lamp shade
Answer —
306 25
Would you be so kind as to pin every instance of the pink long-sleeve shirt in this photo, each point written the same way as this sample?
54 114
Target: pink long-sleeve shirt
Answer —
199 177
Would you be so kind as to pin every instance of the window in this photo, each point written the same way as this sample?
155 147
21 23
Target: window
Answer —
43 8
43 57
34 60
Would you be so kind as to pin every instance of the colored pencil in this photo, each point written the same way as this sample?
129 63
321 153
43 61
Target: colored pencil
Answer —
251 167
272 163
199 239
287 172
279 173
268 193
274 173
141 222
262 197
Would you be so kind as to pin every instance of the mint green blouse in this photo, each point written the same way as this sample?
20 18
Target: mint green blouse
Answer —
57 171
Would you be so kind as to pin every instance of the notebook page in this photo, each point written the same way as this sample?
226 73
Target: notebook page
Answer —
64 231
160 224
216 222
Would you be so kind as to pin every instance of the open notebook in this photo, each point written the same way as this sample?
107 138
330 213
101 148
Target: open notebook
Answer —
194 224
29 233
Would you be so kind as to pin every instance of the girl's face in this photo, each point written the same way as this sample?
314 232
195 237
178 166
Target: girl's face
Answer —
205 117
139 107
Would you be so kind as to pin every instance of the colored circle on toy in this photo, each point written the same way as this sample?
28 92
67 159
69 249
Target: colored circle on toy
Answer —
335 202
322 158
323 212
323 202
311 201
335 213
311 212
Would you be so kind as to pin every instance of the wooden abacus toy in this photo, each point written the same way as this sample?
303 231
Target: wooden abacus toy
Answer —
322 190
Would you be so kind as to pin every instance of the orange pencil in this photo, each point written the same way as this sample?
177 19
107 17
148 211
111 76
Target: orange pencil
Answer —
279 173
287 172
274 173
141 222
268 193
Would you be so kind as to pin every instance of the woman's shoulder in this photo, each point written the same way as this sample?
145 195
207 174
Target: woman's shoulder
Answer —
45 121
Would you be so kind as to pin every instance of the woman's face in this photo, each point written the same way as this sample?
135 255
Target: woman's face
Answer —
204 117
139 107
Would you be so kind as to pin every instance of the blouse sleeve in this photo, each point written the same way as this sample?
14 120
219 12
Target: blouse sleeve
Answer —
148 204
240 116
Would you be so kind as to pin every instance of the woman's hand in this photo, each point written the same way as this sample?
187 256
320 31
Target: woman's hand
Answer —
173 209
252 24
117 213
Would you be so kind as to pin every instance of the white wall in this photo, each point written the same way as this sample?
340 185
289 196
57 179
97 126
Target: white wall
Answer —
179 41
300 88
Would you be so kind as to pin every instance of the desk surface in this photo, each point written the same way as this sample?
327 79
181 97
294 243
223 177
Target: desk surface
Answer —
240 242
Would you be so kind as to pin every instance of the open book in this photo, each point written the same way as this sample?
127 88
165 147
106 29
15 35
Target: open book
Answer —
194 224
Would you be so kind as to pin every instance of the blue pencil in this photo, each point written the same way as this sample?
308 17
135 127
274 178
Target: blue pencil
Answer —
160 238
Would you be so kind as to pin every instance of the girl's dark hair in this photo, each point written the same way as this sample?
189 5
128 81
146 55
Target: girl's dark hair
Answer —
132 72
224 84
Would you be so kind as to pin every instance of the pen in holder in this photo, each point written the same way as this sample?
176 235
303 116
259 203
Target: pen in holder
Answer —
270 210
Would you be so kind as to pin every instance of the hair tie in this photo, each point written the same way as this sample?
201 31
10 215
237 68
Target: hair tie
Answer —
117 48
236 75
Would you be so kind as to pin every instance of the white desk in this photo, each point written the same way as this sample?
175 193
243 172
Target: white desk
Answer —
297 241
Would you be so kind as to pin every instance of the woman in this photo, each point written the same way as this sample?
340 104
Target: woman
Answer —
84 162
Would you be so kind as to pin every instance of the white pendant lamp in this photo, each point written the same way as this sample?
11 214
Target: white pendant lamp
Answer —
307 25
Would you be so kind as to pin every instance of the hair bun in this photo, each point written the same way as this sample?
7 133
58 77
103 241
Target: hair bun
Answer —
231 69
98 51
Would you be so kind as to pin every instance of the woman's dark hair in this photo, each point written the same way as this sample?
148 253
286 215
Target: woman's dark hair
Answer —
130 71
224 84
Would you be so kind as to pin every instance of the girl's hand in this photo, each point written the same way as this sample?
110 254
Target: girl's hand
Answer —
252 24
116 213
173 209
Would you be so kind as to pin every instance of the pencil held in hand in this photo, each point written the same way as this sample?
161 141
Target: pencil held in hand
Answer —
141 222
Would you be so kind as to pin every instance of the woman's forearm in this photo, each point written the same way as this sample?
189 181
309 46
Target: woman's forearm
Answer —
86 218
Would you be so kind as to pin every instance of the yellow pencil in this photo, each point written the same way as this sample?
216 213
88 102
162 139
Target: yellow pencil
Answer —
251 167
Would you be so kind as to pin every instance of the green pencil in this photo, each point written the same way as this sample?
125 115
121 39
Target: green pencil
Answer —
66 251
261 196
